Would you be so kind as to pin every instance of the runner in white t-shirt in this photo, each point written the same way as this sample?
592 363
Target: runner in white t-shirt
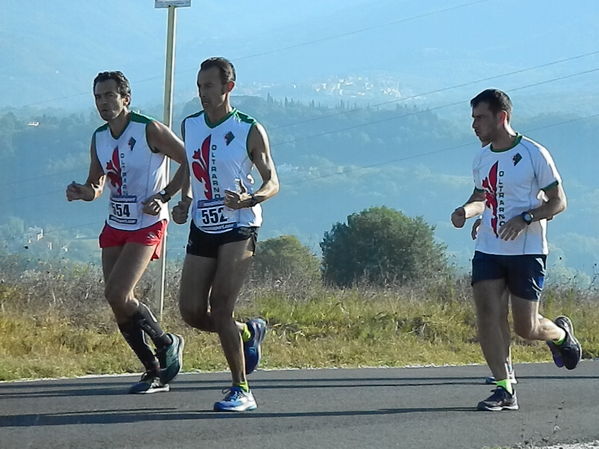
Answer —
517 189
222 146
132 151
490 380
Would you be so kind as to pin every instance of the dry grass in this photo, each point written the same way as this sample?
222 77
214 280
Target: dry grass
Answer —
54 322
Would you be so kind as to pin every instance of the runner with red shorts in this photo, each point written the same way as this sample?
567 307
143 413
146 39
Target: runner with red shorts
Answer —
131 151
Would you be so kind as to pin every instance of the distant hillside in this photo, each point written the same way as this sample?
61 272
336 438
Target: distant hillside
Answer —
332 162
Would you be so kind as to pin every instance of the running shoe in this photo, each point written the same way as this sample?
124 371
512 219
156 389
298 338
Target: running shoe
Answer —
251 348
149 383
171 359
236 400
570 349
499 400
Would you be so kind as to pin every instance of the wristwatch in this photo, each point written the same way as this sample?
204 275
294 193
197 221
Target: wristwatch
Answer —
165 196
527 217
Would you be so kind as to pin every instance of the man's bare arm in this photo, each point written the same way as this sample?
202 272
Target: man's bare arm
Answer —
94 185
162 139
474 206
259 150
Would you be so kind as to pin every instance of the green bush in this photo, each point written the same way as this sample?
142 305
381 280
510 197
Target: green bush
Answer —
285 259
381 246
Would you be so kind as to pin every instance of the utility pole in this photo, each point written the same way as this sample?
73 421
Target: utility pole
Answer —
167 118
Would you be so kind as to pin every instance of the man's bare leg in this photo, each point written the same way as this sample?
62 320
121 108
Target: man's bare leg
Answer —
233 263
490 301
123 267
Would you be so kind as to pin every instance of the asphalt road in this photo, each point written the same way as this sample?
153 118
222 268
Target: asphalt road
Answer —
335 408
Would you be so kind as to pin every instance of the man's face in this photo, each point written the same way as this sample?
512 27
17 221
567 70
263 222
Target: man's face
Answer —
109 102
211 90
485 123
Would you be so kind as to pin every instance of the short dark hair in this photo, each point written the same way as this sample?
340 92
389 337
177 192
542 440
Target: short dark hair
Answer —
122 83
225 67
496 99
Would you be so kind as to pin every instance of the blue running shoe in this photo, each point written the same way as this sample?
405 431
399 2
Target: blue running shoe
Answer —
236 400
171 359
251 348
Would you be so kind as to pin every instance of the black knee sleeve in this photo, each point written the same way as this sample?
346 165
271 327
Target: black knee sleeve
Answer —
148 322
135 338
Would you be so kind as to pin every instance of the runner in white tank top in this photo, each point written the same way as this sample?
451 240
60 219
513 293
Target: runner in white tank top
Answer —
135 172
131 151
217 155
222 146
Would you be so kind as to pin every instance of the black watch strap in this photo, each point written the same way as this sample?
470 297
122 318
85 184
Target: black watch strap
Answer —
527 217
165 196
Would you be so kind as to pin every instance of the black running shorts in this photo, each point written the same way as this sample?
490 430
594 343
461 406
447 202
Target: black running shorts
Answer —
204 244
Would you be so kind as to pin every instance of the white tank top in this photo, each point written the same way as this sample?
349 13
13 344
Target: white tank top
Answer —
218 159
133 173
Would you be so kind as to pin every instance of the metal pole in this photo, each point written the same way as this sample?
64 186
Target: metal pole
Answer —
168 121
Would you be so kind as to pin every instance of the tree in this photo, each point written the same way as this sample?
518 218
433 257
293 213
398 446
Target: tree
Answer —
381 246
285 258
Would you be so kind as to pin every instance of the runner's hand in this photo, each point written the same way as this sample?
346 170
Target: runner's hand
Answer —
458 217
77 191
181 211
153 204
237 200
512 229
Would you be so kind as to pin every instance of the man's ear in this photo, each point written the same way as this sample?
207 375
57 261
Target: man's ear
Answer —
229 86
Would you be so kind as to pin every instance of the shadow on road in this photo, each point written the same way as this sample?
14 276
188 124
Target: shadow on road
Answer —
168 414
120 387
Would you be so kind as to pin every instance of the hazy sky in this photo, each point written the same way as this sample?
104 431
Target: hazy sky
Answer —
50 50
544 53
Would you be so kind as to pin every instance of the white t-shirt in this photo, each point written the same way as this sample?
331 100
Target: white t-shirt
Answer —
514 181
219 159
133 173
